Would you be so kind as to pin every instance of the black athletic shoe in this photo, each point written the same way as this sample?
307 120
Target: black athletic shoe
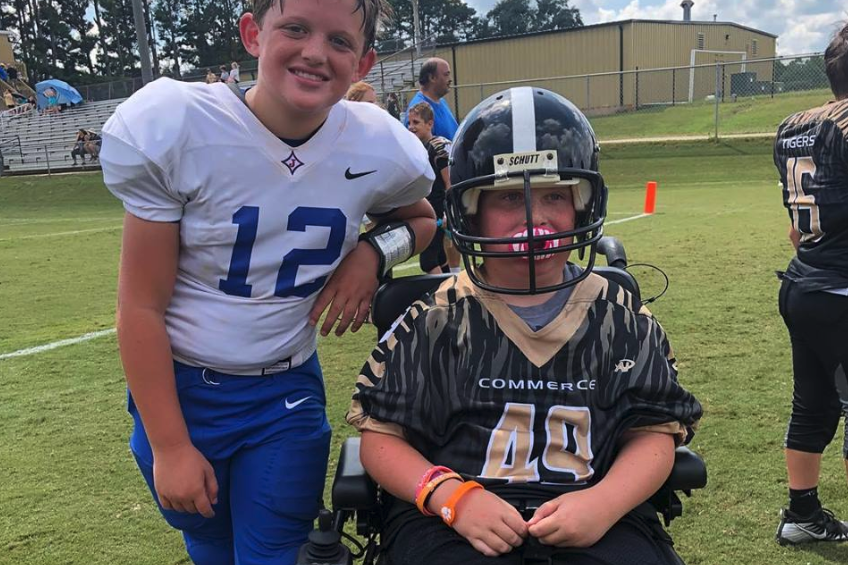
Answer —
821 526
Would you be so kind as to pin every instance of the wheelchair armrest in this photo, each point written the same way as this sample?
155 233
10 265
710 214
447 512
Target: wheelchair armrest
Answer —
353 489
689 471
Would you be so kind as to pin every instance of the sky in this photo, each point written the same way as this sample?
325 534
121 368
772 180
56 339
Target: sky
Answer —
802 26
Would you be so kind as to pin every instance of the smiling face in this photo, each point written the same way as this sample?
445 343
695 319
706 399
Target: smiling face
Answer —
422 129
502 214
309 52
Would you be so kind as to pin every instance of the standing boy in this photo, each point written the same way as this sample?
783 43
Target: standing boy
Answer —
434 259
242 227
811 155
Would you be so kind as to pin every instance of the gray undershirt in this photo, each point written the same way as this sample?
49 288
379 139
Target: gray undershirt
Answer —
539 316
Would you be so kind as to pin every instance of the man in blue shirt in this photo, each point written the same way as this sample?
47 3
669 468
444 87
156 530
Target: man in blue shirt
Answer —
435 81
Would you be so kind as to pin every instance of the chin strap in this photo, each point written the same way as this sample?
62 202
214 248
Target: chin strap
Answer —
394 243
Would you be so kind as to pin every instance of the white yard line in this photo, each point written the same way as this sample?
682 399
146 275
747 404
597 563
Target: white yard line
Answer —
56 344
622 220
19 221
60 234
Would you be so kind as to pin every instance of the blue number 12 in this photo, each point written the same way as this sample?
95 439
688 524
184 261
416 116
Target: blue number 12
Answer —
247 219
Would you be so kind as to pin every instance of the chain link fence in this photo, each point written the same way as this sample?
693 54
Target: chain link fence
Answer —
714 99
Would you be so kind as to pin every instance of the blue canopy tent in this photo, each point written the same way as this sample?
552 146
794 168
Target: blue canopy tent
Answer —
67 94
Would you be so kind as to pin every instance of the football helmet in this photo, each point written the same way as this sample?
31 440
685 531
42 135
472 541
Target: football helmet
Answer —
525 137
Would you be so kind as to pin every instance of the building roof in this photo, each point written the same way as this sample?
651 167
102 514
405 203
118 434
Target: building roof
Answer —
607 24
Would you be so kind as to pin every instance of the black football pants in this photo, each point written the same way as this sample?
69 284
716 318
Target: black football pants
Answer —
818 331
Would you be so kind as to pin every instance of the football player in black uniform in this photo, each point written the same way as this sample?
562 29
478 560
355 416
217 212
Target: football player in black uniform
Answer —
528 408
811 155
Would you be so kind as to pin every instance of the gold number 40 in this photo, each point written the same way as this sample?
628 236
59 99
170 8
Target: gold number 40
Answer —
566 450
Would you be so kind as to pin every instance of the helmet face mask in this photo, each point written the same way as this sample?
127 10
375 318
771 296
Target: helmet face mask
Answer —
525 139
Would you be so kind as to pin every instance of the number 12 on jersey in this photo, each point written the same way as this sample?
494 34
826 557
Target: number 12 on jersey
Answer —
247 220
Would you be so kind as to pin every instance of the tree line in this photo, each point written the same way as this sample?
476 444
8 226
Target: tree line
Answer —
89 41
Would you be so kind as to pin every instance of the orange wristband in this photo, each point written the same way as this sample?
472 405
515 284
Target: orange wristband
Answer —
427 490
448 511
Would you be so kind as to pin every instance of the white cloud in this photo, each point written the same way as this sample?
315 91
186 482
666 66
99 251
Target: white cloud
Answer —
802 26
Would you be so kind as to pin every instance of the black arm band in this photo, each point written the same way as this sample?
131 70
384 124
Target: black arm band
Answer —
394 243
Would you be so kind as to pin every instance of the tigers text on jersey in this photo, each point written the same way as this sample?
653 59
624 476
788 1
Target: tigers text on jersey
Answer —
811 155
472 387
262 224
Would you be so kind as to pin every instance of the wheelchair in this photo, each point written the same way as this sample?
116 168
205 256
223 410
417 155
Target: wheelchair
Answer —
356 496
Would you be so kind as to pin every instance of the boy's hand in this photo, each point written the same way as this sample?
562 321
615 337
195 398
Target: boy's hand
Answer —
490 524
575 519
350 290
185 481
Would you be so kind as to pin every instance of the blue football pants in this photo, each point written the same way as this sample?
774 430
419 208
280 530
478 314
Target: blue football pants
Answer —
268 440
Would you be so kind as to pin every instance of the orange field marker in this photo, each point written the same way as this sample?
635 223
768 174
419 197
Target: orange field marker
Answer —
650 197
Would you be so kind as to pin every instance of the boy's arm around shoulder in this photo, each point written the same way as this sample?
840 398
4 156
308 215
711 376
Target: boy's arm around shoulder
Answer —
349 290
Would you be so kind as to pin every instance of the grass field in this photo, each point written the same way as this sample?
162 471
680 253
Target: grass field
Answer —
69 490
759 114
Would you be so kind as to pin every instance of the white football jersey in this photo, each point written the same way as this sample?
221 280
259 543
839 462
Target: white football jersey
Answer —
262 224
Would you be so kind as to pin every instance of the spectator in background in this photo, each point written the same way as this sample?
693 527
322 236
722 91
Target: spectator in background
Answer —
392 106
361 92
433 260
435 81
211 78
52 101
4 76
234 73
79 146
9 99
225 74
92 145
13 73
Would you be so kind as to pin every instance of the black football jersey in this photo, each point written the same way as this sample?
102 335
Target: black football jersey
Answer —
811 154
468 384
438 152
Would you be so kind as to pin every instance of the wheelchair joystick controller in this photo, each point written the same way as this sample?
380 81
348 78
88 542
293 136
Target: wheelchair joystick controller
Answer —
325 545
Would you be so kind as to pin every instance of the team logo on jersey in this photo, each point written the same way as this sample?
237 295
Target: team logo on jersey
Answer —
293 163
624 365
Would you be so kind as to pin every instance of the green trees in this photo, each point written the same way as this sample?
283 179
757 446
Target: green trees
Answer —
87 41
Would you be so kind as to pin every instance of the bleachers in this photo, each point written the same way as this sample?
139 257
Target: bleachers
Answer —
35 142
394 74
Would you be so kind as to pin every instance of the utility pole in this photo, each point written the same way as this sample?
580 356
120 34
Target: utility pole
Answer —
143 47
416 26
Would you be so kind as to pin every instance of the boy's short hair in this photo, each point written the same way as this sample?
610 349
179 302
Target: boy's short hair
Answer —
423 110
836 63
375 15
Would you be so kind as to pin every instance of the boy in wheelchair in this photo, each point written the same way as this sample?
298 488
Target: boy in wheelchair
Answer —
528 408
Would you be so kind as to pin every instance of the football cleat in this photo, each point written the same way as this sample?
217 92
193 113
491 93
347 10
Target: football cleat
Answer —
821 526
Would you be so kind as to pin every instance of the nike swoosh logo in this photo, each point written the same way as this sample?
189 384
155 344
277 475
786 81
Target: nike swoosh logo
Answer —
296 403
351 176
816 535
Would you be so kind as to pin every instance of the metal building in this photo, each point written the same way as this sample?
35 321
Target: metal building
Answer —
610 62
